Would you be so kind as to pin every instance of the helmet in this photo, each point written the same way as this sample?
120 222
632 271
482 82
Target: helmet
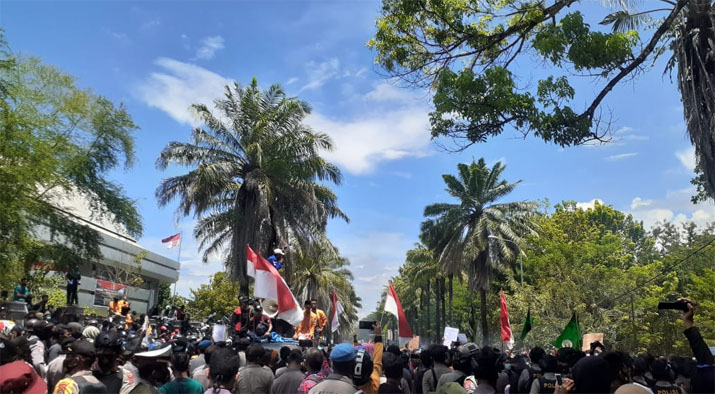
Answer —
363 367
108 339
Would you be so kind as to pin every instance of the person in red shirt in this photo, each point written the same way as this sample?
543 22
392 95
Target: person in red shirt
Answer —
241 315
260 324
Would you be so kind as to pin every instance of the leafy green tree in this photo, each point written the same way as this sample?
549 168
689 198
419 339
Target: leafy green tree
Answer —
219 296
477 233
467 52
58 140
256 176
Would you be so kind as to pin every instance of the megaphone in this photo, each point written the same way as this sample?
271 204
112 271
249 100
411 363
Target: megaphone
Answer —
270 308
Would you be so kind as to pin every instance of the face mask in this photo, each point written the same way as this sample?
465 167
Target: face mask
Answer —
507 366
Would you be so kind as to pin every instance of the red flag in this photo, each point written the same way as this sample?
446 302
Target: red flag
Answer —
335 313
269 284
504 318
392 305
172 240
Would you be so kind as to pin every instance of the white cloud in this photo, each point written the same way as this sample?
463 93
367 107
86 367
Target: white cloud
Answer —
687 157
623 130
178 86
621 156
209 47
361 143
320 73
675 207
589 204
292 81
385 91
639 203
364 142
120 36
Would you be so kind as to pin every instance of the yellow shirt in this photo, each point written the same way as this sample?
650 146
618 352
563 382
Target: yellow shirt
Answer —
114 307
373 385
322 320
306 328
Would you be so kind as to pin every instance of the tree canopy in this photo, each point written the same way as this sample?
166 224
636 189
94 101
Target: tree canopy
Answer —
467 51
58 140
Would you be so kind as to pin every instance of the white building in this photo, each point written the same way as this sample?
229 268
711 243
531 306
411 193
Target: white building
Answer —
98 282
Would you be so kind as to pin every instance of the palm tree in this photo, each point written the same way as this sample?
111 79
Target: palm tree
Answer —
476 233
254 177
319 270
420 269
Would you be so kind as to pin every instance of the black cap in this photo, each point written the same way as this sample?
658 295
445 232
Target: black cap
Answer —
82 348
108 339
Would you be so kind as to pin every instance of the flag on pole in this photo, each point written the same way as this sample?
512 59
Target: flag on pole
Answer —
270 285
571 336
527 325
172 241
335 313
504 320
392 305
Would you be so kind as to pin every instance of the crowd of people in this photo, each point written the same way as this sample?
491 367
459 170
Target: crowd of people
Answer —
63 356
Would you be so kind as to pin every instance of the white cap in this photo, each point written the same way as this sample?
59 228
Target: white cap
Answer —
157 353
278 251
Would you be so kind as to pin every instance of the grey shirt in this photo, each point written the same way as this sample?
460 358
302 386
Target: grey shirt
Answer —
53 352
450 377
197 363
202 376
428 381
54 372
254 379
334 384
288 382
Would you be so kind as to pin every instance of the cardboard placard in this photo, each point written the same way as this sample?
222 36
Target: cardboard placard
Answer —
589 338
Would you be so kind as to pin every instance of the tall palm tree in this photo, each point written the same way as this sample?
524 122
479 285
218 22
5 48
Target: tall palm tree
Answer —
254 177
476 233
420 270
319 269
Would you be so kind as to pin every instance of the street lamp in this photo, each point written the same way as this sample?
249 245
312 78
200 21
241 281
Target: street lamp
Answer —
521 265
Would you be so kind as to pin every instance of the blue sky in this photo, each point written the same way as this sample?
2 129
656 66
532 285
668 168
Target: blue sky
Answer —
159 57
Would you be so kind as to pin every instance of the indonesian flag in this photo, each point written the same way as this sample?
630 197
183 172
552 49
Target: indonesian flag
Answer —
271 286
172 240
504 319
335 313
392 305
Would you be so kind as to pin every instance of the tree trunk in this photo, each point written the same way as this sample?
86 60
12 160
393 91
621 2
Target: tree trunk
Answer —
451 293
438 312
473 317
483 312
443 300
420 328
427 311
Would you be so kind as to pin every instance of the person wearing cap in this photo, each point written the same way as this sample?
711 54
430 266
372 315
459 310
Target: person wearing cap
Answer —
277 258
241 315
55 370
78 364
201 374
260 324
254 378
19 377
340 381
462 364
108 348
200 361
152 366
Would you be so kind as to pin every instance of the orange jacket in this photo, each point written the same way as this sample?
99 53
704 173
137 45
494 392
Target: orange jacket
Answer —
373 385
306 327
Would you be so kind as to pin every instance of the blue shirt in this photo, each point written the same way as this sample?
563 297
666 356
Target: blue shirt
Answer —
19 289
273 260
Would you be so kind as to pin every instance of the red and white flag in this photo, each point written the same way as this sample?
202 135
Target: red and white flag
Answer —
172 241
504 320
392 305
335 313
270 285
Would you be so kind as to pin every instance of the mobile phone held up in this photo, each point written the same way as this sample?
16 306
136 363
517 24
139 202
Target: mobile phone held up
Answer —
677 305
559 381
366 324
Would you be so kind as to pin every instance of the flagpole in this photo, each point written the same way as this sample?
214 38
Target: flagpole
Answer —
178 259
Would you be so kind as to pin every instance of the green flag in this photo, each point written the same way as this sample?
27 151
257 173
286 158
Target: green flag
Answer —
527 325
571 336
